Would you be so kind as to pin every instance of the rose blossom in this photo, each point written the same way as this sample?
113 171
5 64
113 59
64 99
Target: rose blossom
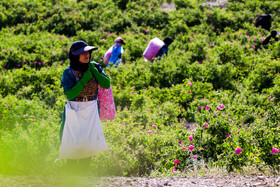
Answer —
176 162
191 147
275 150
238 150
206 125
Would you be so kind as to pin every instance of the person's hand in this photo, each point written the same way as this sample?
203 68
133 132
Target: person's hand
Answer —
87 75
73 92
94 70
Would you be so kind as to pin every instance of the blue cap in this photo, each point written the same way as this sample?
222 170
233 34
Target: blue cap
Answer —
79 47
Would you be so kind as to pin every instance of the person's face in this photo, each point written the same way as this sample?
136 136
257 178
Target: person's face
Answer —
84 57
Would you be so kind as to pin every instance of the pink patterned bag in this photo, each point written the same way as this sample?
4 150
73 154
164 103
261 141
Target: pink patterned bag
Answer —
107 110
153 48
107 55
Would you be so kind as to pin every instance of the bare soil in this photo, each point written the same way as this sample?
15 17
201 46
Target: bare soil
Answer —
168 7
210 5
215 4
252 181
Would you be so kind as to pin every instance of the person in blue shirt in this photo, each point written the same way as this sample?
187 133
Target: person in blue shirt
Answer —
117 51
164 49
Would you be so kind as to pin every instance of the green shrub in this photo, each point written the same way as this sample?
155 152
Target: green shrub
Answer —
217 71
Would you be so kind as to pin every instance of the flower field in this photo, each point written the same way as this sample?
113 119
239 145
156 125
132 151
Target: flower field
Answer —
212 102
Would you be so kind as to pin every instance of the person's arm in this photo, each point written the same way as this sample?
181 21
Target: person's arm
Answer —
76 90
266 40
103 81
165 50
67 81
159 54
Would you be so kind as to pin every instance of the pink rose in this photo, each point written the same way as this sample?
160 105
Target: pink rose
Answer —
176 162
275 150
191 147
238 150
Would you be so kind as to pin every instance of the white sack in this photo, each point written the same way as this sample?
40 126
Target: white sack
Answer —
82 134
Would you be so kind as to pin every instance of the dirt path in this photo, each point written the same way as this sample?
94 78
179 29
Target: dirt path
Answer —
7 181
215 3
195 182
210 4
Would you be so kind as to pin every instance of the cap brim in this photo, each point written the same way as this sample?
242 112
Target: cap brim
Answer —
84 49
